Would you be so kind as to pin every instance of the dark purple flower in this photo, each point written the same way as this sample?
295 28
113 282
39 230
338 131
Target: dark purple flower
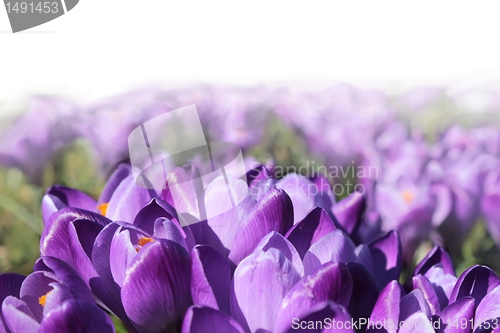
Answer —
144 279
55 300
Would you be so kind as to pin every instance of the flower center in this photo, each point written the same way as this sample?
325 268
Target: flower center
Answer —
103 208
408 196
143 241
42 299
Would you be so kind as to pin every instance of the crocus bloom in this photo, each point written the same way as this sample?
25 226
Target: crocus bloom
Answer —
143 278
439 302
53 300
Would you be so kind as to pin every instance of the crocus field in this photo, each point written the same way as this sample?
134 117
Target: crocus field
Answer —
360 211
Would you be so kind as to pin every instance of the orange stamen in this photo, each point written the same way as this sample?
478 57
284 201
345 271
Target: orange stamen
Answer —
42 299
143 241
103 208
408 196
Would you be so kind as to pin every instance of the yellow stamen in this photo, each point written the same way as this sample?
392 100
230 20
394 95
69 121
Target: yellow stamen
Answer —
143 241
103 208
408 196
43 299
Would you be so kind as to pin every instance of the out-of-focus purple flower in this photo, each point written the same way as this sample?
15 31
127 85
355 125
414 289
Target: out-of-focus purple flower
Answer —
490 203
107 124
406 195
33 139
306 194
464 167
341 109
51 300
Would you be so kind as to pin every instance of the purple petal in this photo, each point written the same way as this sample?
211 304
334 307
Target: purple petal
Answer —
364 292
450 319
335 246
329 282
349 211
56 240
364 257
436 256
311 229
57 296
210 278
180 192
154 210
77 316
301 192
442 283
128 200
122 253
257 174
387 258
488 310
203 233
325 198
476 281
223 218
277 241
171 230
103 286
204 319
10 285
36 285
121 172
260 283
387 307
40 266
272 213
18 317
58 197
102 250
412 303
259 189
70 278
489 207
422 283
333 318
82 235
444 203
155 293
417 323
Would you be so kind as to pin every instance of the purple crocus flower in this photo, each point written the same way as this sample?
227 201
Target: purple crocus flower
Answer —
233 231
464 167
51 300
29 150
408 197
439 302
120 199
325 283
143 278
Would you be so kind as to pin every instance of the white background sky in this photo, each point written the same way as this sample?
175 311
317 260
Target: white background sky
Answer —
103 47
